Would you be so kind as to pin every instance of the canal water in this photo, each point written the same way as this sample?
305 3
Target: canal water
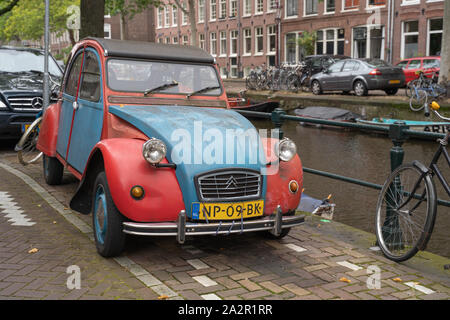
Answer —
362 156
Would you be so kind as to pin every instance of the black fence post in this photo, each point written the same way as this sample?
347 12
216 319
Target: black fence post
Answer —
277 119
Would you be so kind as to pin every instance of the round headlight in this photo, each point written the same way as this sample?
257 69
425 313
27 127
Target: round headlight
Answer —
2 105
286 149
154 151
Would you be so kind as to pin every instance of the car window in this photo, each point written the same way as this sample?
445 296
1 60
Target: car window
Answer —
90 83
326 62
414 64
316 63
26 60
336 67
350 65
402 64
431 63
74 74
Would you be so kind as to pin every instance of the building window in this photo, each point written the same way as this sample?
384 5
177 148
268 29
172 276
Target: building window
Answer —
350 4
167 16
233 8
373 3
259 40
233 42
223 43
259 6
330 6
160 40
107 31
272 5
330 41
223 9
175 40
310 7
184 16
213 10
410 39
368 42
291 8
233 68
408 2
247 7
201 10
167 40
202 41
434 36
213 43
185 40
271 39
291 48
174 16
247 41
160 17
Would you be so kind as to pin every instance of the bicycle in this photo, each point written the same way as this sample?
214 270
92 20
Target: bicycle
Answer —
407 204
419 89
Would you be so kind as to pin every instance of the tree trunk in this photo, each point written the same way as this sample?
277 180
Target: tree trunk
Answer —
193 22
123 24
72 36
92 18
445 50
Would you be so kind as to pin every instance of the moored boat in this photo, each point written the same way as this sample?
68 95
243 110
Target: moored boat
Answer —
427 126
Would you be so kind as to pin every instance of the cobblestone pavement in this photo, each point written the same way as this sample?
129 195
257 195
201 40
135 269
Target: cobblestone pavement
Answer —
308 264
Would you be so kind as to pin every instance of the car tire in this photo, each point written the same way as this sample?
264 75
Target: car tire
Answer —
53 170
107 221
360 88
391 92
316 88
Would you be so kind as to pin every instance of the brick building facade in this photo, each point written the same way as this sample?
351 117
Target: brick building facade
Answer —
242 33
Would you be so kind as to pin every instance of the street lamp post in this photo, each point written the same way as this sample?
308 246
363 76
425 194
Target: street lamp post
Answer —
278 42
45 90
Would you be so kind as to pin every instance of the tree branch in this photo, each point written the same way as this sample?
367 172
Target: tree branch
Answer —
9 7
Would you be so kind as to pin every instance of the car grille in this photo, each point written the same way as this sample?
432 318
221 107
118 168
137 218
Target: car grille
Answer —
229 185
25 103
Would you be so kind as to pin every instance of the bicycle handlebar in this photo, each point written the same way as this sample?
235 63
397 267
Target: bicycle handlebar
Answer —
426 110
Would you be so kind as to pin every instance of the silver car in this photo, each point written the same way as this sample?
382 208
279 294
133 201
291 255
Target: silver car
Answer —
360 76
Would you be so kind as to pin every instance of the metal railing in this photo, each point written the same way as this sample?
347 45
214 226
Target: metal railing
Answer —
398 132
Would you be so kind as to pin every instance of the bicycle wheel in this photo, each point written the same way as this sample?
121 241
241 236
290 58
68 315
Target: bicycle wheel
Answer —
418 99
409 90
26 147
405 213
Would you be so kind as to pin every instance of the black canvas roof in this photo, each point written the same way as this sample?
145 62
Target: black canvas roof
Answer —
151 50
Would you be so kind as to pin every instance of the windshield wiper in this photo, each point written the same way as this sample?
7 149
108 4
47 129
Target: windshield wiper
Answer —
161 87
202 90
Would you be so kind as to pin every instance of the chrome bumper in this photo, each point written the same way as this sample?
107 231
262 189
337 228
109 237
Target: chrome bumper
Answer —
180 229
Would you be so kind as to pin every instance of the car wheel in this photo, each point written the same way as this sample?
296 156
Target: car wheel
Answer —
53 170
391 92
106 220
316 88
360 88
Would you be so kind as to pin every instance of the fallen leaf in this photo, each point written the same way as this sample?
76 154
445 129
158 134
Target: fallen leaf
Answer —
34 250
54 222
344 279
39 205
163 297
397 280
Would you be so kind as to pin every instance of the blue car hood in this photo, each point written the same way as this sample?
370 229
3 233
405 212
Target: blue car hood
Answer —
198 140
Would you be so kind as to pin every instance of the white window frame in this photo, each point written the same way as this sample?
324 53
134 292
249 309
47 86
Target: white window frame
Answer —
234 35
166 17
201 11
233 8
222 37
271 6
106 28
175 40
213 13
325 2
271 34
257 36
258 4
375 6
174 16
222 9
286 17
368 44
213 40
349 10
297 35
159 18
429 33
310 14
202 41
185 40
409 2
184 16
247 8
404 34
246 38
324 41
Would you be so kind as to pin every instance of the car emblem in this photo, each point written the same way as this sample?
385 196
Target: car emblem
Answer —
231 182
37 103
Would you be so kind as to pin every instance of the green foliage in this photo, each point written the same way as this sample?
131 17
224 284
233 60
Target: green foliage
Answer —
26 19
129 8
307 41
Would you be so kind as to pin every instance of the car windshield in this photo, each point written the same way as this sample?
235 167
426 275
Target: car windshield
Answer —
373 63
163 77
16 61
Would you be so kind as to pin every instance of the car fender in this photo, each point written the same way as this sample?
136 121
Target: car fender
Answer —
125 167
279 175
48 132
360 78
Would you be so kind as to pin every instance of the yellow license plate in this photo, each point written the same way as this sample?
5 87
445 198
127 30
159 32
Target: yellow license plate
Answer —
227 211
25 127
394 81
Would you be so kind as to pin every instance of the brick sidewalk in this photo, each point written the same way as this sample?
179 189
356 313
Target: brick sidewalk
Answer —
308 264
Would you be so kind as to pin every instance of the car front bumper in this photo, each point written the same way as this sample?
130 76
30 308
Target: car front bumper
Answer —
11 124
180 229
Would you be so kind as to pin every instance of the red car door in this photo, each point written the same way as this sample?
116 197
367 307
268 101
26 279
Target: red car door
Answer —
410 70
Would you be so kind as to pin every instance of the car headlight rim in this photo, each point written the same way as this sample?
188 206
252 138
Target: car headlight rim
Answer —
154 151
286 149
3 105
